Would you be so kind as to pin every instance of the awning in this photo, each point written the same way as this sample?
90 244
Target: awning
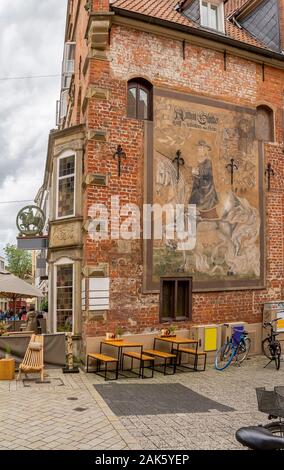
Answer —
12 287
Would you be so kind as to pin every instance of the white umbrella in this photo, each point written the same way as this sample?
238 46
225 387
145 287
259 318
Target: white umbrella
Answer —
12 287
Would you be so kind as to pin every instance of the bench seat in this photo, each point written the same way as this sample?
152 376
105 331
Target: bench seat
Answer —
192 351
155 352
166 356
196 354
103 357
138 356
142 358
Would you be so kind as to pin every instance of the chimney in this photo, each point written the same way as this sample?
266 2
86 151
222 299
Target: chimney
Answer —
100 5
281 22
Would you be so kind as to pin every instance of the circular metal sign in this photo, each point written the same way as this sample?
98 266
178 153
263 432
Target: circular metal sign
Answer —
30 221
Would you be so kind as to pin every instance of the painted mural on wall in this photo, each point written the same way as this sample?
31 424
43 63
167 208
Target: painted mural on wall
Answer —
195 142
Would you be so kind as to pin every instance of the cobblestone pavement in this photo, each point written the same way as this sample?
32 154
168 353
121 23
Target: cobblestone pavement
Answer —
234 387
43 416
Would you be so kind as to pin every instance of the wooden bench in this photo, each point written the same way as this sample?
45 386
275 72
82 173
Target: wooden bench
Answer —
142 358
103 359
165 356
33 360
196 354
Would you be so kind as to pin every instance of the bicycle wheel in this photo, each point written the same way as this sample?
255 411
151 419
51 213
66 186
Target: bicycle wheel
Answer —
277 355
266 348
277 428
224 356
243 349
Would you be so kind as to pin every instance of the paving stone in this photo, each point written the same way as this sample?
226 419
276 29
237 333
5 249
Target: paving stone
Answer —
41 417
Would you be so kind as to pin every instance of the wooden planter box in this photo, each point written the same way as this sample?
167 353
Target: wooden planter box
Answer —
7 369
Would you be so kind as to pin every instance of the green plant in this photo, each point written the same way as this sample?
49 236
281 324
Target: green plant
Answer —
172 329
3 328
64 328
44 305
118 331
8 349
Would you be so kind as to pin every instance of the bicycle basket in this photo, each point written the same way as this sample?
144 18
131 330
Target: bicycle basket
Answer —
269 402
237 335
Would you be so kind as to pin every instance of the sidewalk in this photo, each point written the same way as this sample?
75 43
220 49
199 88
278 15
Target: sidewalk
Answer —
69 413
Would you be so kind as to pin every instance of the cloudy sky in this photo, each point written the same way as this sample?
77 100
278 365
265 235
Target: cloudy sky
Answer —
31 44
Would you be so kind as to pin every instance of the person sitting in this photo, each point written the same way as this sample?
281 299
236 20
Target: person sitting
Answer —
14 317
32 320
23 314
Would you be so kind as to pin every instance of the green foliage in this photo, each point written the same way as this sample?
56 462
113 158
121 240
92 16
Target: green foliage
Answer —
8 349
44 305
67 328
118 331
3 328
19 262
172 329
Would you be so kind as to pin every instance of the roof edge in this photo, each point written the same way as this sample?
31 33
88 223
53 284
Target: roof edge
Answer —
220 38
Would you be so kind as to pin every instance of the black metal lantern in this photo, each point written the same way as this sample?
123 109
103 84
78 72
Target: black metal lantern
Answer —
119 154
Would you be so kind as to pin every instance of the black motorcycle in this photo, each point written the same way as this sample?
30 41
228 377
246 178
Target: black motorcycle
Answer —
270 436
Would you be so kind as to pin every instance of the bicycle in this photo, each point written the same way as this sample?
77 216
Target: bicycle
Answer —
271 347
237 348
270 436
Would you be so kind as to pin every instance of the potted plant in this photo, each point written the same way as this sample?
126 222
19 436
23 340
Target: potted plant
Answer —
172 330
118 332
8 351
3 328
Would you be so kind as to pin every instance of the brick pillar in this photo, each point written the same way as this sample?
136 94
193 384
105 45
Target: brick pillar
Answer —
100 5
281 22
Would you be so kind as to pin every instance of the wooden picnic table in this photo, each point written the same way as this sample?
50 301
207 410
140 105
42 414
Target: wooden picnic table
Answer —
120 345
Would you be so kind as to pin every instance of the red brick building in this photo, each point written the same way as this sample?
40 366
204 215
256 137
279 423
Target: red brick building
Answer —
184 88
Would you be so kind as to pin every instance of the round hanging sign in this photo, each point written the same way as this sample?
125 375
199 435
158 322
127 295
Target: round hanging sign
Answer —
30 221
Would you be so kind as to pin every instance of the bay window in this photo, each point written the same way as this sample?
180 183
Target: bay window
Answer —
66 186
64 297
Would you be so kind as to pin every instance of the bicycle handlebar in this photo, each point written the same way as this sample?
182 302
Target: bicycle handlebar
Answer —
269 323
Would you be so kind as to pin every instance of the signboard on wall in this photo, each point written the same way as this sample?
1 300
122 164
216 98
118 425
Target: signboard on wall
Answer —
32 243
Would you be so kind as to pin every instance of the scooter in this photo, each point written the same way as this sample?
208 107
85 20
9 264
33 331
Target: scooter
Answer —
270 436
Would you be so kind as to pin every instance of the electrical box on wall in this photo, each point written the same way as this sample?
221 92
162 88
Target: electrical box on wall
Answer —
208 337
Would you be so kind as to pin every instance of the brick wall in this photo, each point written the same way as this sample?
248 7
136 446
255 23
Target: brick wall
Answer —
160 60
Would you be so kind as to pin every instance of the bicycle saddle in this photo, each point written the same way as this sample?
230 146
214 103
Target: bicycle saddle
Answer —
259 438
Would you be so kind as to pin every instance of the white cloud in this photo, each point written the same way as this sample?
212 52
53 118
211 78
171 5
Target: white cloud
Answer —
31 43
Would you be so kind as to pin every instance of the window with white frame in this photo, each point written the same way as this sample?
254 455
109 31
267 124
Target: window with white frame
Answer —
212 14
66 186
63 105
64 297
68 65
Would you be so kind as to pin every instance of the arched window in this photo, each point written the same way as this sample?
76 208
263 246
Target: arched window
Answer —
140 100
264 124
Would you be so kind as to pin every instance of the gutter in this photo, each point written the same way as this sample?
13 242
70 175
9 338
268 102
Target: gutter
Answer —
198 32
